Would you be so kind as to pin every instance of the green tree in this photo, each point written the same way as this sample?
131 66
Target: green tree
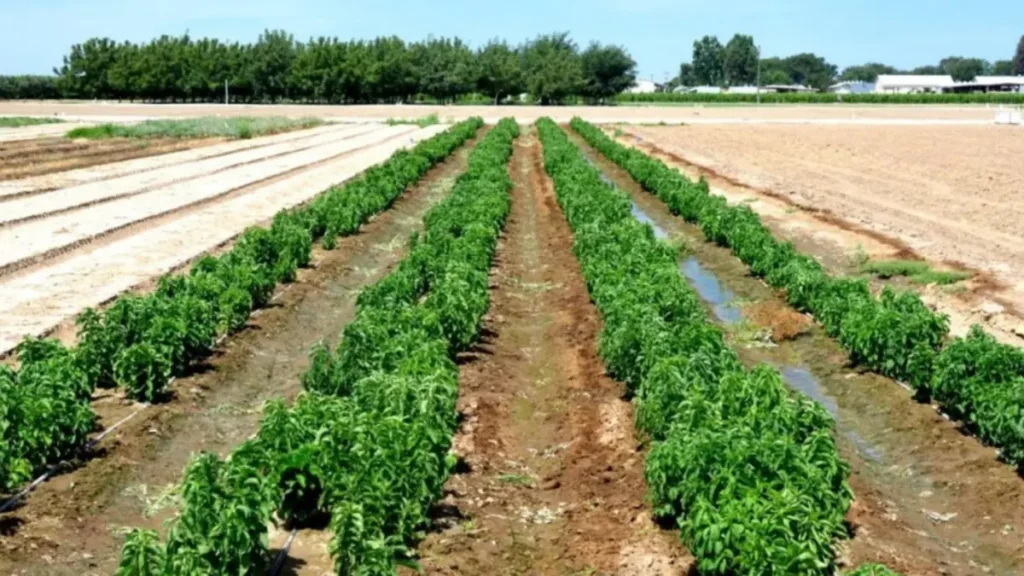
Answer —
607 71
740 61
270 65
709 61
553 69
928 71
444 67
687 77
810 70
774 71
1018 59
964 69
866 72
500 70
1002 68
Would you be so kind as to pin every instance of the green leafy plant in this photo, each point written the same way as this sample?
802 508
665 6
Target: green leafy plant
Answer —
746 468
367 443
894 334
141 341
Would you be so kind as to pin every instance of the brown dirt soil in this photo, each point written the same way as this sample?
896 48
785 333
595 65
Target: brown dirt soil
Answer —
554 482
25 158
698 113
73 523
824 208
784 322
930 499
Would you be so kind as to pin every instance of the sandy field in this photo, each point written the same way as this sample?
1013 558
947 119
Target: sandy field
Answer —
829 114
108 236
952 194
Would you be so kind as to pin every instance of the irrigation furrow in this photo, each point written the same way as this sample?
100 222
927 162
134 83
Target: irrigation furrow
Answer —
911 467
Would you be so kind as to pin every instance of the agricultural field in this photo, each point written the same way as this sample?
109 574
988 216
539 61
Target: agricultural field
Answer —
905 114
428 342
951 195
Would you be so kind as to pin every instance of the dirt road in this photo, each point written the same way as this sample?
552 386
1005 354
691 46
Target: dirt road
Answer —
526 114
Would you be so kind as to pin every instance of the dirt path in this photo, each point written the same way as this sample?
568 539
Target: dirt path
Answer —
553 480
929 499
72 524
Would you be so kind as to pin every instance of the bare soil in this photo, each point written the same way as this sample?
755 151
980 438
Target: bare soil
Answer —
672 114
553 476
44 297
844 194
73 523
25 158
930 499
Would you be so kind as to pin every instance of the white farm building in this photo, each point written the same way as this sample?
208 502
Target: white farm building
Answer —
643 87
912 84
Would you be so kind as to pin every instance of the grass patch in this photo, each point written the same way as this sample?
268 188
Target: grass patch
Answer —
517 480
917 271
422 122
19 121
207 127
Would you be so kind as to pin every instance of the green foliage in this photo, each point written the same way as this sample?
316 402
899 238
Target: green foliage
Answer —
709 61
739 61
917 271
208 127
143 371
385 69
141 342
142 555
20 121
748 469
866 72
895 334
607 71
553 68
368 442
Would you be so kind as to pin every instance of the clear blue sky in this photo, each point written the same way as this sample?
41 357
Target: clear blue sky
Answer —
658 33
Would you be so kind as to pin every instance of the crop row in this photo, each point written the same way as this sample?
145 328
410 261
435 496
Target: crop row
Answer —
366 447
823 98
894 334
142 341
747 469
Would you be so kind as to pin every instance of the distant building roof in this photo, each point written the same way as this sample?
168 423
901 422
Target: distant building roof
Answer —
788 88
932 82
912 81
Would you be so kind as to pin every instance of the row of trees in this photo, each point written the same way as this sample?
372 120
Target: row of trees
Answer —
736 63
551 68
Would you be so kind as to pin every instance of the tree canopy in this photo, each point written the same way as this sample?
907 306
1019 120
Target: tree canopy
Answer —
740 61
709 61
551 68
1018 59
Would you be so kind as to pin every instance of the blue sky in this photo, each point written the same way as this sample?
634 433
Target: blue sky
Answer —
658 33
